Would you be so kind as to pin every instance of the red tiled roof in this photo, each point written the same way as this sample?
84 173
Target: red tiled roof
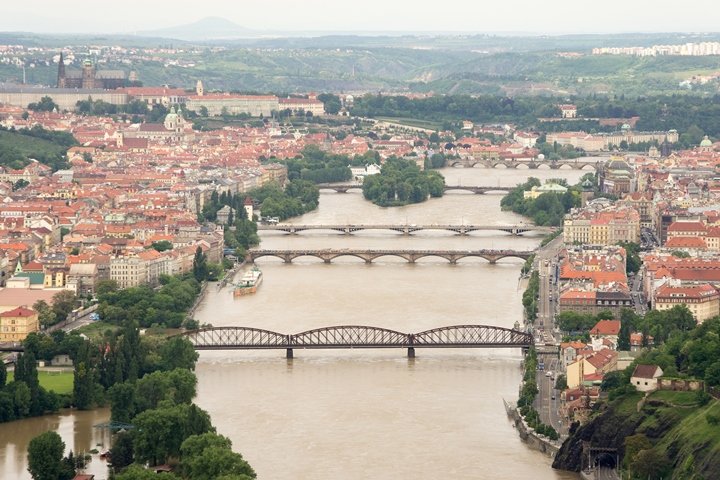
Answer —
606 327
645 371
18 312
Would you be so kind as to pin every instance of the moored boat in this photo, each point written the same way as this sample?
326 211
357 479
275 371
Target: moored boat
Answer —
249 283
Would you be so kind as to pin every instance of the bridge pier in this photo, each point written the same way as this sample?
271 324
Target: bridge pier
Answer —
326 260
289 353
411 352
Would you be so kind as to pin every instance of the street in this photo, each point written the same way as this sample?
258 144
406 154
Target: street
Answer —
546 333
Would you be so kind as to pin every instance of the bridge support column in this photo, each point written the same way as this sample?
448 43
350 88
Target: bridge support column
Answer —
406 231
411 352
289 353
327 260
288 259
347 231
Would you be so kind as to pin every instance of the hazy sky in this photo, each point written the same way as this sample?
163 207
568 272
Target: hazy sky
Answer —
548 16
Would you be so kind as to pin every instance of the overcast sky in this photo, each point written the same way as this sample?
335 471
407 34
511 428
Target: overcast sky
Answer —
548 16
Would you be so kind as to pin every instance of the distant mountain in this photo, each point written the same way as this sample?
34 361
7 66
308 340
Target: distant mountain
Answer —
209 28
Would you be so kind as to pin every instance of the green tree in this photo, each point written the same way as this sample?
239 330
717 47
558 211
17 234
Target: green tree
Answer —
561 383
3 375
84 378
200 268
121 454
162 245
122 402
46 314
105 286
634 444
178 352
159 433
626 321
45 104
64 302
209 456
650 464
45 458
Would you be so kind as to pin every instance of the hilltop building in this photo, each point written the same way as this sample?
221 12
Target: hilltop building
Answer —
89 77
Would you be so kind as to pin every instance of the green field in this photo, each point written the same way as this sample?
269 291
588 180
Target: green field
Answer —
676 398
59 381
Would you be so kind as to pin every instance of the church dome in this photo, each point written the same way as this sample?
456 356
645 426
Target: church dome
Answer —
172 116
88 62
706 142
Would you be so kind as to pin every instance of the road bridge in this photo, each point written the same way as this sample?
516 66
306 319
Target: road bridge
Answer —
369 256
344 188
357 336
406 229
575 164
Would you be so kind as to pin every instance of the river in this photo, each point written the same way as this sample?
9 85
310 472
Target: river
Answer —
356 414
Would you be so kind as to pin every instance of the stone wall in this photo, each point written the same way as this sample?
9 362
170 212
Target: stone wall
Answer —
679 385
528 435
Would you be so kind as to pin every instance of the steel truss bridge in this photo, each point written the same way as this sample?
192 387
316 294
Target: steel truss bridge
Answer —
356 336
344 188
369 256
406 229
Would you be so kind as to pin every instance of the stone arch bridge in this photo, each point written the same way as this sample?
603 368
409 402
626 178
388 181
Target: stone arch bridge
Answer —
531 164
327 256
344 188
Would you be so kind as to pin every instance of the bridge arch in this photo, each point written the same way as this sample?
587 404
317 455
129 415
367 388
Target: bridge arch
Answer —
500 257
349 336
235 338
347 254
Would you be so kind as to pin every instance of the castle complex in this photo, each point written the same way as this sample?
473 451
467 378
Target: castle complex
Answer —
89 77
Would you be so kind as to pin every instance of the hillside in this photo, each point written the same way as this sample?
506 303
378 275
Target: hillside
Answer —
17 148
684 434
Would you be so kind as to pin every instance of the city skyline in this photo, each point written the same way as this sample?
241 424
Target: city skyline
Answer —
555 17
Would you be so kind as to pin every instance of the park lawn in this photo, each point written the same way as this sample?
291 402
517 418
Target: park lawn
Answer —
96 329
59 381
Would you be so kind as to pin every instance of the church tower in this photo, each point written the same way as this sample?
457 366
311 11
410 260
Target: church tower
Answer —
199 89
61 73
88 73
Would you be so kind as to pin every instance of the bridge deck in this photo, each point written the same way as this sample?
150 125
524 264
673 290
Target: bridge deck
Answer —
357 336
407 229
369 256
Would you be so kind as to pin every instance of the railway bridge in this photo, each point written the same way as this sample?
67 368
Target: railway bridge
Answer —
357 336
407 229
328 255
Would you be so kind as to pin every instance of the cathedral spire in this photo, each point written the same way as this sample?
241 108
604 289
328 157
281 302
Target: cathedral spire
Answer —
61 73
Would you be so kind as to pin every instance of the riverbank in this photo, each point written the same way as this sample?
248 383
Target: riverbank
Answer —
532 438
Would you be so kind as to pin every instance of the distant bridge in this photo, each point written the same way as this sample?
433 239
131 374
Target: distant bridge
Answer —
407 229
369 256
343 188
355 336
531 164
